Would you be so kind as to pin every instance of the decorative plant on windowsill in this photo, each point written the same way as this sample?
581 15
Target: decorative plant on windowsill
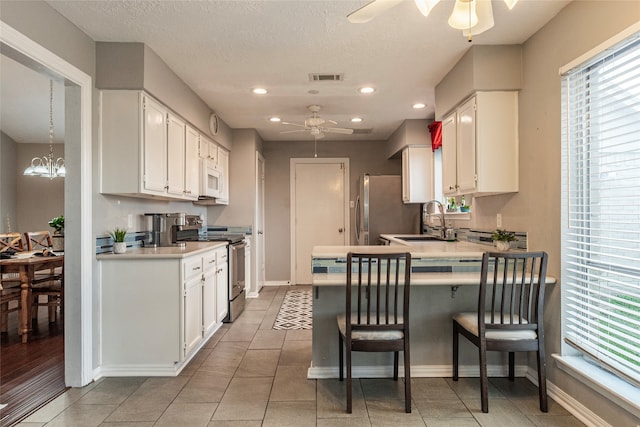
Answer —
118 235
503 239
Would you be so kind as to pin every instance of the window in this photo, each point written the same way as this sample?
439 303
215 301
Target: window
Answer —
601 209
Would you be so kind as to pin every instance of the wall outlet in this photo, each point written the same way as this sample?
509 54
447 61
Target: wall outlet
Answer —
498 220
130 222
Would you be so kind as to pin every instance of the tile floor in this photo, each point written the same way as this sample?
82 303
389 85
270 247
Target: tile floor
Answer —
251 375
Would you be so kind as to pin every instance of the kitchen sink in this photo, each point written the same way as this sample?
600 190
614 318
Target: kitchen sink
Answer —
424 238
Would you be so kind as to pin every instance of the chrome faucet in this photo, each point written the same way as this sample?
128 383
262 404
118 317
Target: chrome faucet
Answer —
442 220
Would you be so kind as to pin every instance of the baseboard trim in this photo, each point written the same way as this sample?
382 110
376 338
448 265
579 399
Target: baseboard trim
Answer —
278 283
418 371
575 408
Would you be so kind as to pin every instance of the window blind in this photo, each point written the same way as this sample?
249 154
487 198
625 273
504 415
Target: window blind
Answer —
601 208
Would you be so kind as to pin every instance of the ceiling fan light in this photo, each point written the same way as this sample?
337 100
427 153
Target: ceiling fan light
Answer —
510 3
464 15
425 6
485 18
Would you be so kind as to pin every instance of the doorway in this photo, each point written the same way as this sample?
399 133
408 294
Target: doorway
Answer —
319 210
79 240
259 226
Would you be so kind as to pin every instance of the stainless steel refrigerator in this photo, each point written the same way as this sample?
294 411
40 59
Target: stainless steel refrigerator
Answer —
380 210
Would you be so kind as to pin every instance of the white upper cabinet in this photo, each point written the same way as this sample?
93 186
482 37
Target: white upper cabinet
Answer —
480 145
153 144
417 167
192 164
146 150
176 154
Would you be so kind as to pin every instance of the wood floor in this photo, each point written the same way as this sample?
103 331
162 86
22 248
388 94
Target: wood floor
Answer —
30 374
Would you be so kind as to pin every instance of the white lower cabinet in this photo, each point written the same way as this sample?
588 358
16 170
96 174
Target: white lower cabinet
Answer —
156 313
209 305
193 290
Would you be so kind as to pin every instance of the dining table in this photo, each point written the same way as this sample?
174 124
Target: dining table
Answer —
27 267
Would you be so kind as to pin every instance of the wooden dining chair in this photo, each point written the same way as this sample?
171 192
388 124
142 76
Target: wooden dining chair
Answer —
10 300
47 283
509 316
376 317
9 282
11 242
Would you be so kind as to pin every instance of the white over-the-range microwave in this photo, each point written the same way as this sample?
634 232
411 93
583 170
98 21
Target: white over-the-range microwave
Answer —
210 179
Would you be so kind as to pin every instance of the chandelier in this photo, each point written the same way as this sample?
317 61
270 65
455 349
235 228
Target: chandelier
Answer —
46 166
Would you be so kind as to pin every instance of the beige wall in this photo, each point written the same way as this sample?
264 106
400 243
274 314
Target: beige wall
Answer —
410 132
364 157
38 200
537 207
480 68
137 66
242 178
8 184
581 26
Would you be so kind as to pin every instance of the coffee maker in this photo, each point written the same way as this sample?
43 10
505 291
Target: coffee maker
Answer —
164 228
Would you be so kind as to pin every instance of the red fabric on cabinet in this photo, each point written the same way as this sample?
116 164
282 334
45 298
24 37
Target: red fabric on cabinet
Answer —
436 135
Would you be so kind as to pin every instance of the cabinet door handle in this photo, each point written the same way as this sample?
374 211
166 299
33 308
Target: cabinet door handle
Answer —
196 268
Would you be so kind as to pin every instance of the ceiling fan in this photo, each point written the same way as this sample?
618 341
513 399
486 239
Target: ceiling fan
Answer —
316 125
471 16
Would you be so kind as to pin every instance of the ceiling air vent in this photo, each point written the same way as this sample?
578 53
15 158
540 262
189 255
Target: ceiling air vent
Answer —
361 131
319 77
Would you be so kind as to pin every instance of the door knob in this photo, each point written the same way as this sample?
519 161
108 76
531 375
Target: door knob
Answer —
340 230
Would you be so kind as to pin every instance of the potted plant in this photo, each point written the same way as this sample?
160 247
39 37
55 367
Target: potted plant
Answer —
502 239
57 224
118 235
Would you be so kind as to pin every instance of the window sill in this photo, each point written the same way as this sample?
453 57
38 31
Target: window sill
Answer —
608 385
435 218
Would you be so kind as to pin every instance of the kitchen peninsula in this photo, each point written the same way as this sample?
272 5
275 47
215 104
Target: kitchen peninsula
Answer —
444 280
160 305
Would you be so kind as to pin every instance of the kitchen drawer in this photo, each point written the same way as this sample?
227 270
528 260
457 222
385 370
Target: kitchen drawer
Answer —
209 261
192 267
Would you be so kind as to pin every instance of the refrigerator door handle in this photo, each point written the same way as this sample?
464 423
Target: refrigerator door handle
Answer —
357 220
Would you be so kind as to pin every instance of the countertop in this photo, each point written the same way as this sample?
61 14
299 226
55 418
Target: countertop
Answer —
168 252
439 251
430 249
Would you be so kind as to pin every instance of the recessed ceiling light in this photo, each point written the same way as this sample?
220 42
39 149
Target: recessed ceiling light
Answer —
366 90
418 105
274 119
356 120
259 91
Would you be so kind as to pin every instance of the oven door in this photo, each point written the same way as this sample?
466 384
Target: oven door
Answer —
210 179
236 269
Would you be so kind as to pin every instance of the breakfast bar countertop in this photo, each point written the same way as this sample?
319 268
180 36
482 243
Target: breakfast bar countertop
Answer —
163 252
430 249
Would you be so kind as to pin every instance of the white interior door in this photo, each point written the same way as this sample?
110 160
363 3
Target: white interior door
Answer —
319 203
258 241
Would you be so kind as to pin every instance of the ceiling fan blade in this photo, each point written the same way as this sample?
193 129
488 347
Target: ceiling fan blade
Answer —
293 124
293 131
343 131
332 122
370 10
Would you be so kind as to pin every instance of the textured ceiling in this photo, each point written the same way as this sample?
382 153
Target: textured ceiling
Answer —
222 49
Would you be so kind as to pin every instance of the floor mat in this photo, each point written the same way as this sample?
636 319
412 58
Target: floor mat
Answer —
295 311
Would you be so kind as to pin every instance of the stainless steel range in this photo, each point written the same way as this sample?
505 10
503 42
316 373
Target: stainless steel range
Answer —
236 249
